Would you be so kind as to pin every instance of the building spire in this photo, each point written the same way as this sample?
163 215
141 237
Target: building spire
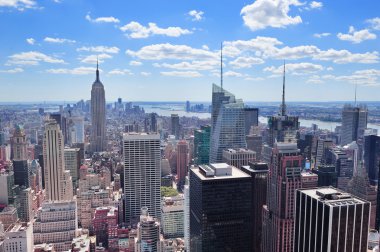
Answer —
283 105
97 69
221 65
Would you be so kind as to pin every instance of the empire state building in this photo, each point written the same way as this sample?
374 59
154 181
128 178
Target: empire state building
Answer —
98 115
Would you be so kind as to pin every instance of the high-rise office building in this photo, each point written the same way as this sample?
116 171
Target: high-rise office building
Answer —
282 127
172 216
322 146
354 122
278 215
175 126
327 219
98 115
153 122
255 143
238 157
58 183
25 212
142 174
17 237
227 128
182 161
61 121
220 208
20 157
251 118
327 175
148 232
372 157
186 211
202 145
259 179
75 129
337 157
72 163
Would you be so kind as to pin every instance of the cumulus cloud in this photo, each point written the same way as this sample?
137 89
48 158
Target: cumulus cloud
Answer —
315 79
12 71
99 49
32 58
295 68
102 19
74 71
233 74
118 71
136 30
367 77
58 40
345 56
145 73
94 58
185 74
356 36
321 35
375 22
169 51
196 15
269 13
316 5
30 41
246 62
18 4
193 65
135 63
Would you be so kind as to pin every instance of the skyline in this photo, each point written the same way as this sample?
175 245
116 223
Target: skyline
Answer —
143 52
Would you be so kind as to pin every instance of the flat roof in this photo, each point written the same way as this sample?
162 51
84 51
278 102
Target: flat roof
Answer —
236 173
141 136
343 198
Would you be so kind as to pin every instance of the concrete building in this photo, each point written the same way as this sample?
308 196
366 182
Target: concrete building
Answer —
56 223
186 223
227 123
251 119
25 212
239 157
17 237
98 115
105 224
172 216
21 168
175 126
142 174
322 147
328 219
148 233
255 143
220 208
58 183
72 163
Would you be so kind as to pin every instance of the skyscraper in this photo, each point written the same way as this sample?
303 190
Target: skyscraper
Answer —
148 232
202 145
278 215
251 116
282 127
182 161
354 121
58 184
372 157
20 157
227 128
220 208
98 115
238 157
142 174
175 127
327 219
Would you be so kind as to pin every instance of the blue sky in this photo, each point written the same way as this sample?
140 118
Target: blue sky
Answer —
169 50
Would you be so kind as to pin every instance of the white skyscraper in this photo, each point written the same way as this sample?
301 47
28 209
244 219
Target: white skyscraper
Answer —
58 184
142 174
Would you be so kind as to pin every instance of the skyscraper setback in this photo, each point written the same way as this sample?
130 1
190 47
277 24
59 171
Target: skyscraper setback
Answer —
98 115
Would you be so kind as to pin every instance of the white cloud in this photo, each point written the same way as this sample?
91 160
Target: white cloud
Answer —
375 22
316 5
329 68
269 13
136 30
193 65
31 58
169 51
344 56
145 73
368 77
246 62
356 36
233 74
185 74
196 15
120 72
92 59
75 71
295 68
18 4
321 35
315 79
58 40
99 49
254 79
102 19
135 63
13 71
30 41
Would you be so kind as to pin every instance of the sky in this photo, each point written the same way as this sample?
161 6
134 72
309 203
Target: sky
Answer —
166 50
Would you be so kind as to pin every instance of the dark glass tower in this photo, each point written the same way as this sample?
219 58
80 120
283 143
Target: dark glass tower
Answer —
202 145
372 157
220 209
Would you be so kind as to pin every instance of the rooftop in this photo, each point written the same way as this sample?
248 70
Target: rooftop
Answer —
141 136
214 172
332 196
